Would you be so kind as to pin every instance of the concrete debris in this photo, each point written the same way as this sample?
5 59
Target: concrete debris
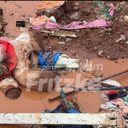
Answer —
53 19
122 38
50 8
61 42
75 16
68 39
60 33
39 20
100 53
126 18
49 5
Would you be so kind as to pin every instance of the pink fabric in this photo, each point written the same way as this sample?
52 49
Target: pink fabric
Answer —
98 23
47 25
119 102
111 10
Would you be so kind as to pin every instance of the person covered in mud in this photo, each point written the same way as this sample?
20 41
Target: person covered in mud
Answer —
3 61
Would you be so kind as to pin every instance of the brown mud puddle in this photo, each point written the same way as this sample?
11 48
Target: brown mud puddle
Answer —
31 101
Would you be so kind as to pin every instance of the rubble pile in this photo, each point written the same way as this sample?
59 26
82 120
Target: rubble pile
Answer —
104 42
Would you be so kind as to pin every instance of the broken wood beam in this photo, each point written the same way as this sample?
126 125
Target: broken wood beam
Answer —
60 33
119 74
104 119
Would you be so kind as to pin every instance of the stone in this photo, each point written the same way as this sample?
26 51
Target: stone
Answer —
75 16
61 42
1 26
126 18
100 53
11 14
109 57
68 39
122 38
126 42
95 48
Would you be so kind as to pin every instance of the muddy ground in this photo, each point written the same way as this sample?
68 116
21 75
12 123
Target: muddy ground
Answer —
82 47
101 42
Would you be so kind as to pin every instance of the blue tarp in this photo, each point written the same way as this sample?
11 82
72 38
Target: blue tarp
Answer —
48 60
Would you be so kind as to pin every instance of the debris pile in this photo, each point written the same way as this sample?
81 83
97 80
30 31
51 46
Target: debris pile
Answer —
117 101
101 41
50 8
67 105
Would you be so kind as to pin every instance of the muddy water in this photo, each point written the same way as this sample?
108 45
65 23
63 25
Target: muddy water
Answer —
17 10
31 101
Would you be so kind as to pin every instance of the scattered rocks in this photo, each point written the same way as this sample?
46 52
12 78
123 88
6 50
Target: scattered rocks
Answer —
75 16
126 42
122 38
105 30
68 39
11 14
109 57
108 30
100 41
100 53
126 18
23 15
61 42
95 48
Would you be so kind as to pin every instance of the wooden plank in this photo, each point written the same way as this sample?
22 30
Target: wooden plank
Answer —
61 118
